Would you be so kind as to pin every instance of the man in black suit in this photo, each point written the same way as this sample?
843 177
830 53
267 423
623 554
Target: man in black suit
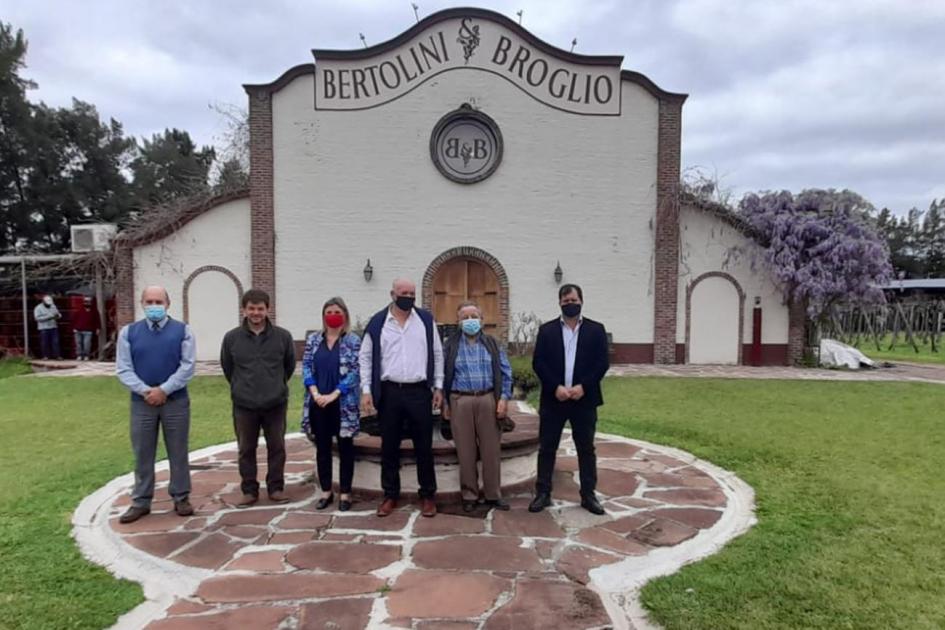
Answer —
570 360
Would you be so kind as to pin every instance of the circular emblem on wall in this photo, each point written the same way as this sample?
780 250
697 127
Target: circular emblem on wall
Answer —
466 145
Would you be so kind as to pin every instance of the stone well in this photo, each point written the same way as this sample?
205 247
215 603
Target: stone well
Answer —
519 461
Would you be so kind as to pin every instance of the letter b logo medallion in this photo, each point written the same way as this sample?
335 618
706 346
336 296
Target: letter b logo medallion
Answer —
466 145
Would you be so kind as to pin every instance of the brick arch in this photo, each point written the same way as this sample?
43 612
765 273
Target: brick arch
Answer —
741 308
479 255
199 270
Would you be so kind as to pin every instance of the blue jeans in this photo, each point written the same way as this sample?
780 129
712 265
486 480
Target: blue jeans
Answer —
83 344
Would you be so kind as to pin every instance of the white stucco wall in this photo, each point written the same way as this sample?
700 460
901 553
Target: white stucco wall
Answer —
220 236
707 243
571 188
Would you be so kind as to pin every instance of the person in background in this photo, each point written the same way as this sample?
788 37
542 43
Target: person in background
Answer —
258 359
85 322
477 385
47 318
331 378
155 361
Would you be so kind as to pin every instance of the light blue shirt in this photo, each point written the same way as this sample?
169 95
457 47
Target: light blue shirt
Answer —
570 338
125 369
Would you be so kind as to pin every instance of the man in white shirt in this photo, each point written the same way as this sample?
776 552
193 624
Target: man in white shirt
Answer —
401 364
570 359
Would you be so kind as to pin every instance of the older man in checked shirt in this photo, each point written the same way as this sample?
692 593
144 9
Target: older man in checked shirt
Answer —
477 384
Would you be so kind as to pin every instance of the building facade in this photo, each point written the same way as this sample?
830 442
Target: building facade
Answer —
485 164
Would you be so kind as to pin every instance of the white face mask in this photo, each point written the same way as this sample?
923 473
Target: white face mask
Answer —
47 301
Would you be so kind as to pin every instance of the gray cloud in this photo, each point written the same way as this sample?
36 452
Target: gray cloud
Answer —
806 93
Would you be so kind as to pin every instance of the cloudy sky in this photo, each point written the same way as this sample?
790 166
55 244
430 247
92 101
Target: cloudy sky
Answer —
789 94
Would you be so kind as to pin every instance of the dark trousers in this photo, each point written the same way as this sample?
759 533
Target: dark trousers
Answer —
583 419
409 407
173 418
49 343
326 424
247 423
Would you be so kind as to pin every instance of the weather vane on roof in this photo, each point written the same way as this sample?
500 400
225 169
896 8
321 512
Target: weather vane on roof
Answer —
573 44
519 14
415 9
363 40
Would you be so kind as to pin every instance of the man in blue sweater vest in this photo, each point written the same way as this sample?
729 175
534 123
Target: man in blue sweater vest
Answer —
155 361
401 362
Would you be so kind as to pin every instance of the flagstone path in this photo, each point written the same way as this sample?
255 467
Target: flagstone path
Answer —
291 566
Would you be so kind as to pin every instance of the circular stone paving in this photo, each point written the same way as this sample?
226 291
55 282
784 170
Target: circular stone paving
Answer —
290 566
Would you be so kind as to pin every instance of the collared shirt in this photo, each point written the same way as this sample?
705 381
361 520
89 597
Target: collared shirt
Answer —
570 338
403 353
473 370
125 369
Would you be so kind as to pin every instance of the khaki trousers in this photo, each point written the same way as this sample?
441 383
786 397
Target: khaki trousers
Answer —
476 431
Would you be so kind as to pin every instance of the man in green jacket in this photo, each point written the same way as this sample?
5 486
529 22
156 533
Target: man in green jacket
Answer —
258 360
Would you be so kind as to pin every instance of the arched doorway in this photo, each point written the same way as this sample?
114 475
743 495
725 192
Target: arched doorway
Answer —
461 280
211 307
468 274
714 320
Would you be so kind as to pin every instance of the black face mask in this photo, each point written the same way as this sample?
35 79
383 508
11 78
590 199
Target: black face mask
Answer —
571 310
404 302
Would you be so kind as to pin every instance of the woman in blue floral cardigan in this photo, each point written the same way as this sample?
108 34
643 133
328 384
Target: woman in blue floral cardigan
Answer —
332 394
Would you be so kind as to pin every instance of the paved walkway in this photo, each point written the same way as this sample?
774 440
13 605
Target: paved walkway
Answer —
291 566
918 372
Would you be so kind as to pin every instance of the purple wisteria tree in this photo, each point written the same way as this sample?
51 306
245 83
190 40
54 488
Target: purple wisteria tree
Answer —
820 245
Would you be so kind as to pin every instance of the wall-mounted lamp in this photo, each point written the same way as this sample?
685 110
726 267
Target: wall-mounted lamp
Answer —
558 272
757 301
368 271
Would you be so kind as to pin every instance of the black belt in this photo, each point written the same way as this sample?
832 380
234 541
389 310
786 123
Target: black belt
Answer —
416 385
481 392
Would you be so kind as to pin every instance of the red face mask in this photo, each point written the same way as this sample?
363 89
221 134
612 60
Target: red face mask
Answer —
334 320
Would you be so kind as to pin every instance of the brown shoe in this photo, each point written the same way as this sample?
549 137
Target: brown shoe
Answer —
278 496
247 500
133 513
183 507
428 508
388 506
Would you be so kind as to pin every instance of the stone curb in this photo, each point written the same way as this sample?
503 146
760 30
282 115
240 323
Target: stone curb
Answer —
618 585
161 579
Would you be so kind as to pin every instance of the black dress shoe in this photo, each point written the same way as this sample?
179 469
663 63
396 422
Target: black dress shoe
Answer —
540 502
344 505
499 504
325 501
469 506
592 505
133 513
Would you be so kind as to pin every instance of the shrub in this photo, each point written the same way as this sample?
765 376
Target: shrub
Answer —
524 379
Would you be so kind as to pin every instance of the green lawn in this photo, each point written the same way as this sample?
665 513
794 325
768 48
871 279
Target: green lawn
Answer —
850 500
903 351
63 438
846 474
14 367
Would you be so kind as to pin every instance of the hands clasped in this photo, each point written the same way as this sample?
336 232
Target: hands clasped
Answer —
563 393
155 397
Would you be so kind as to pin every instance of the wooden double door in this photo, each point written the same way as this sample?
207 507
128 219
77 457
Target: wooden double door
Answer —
466 280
